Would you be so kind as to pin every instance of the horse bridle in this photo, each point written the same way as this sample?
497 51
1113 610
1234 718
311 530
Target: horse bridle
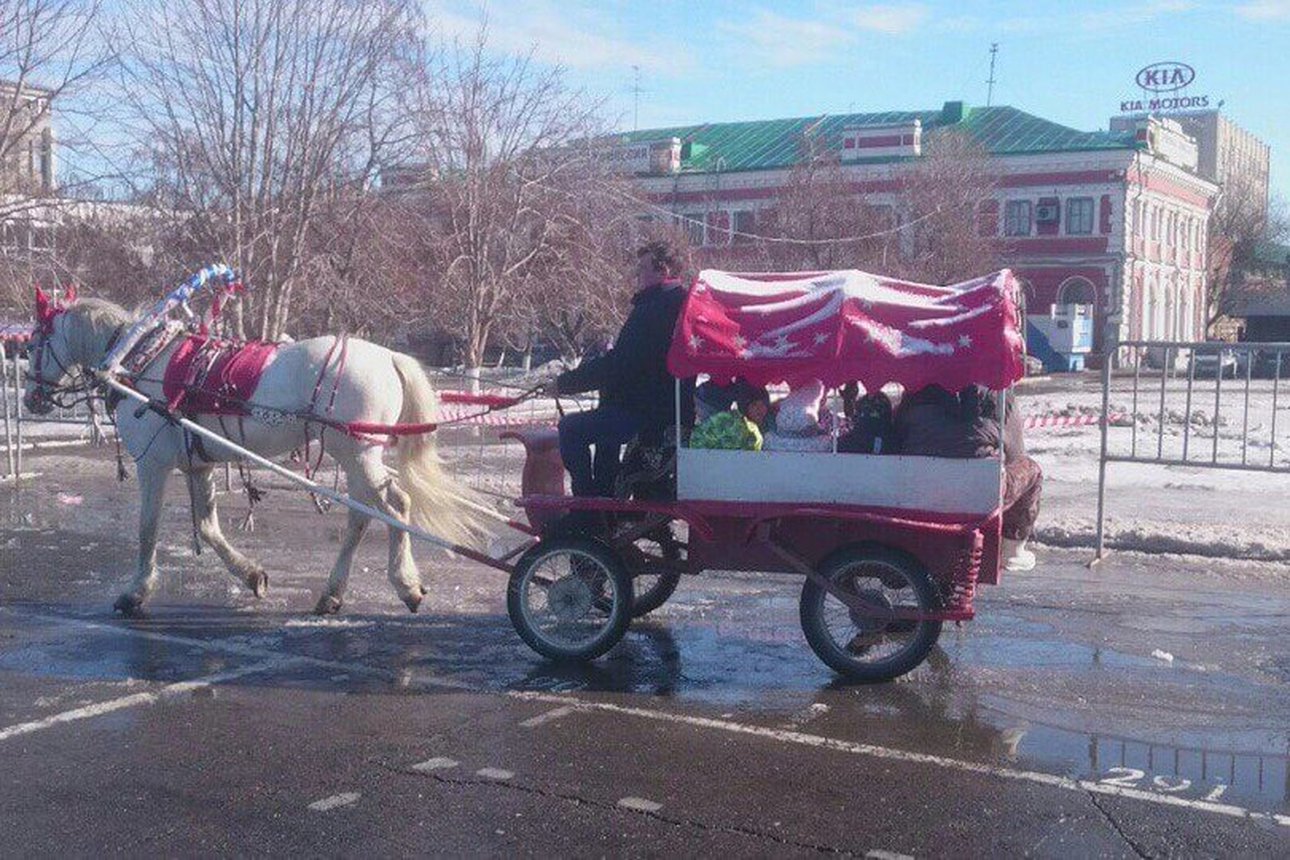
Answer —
59 393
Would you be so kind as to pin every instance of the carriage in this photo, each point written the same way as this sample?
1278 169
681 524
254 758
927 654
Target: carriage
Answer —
889 547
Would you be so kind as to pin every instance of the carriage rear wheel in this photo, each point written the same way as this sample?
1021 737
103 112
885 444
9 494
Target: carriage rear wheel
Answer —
570 598
869 644
654 562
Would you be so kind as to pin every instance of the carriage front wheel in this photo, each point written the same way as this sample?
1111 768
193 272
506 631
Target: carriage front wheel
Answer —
570 598
875 641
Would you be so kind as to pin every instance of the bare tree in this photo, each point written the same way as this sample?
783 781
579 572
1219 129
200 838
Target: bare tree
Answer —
260 117
1237 226
926 230
50 54
940 199
503 144
819 211
581 288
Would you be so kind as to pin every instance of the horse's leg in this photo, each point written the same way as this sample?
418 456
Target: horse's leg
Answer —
370 481
153 474
331 600
201 489
361 488
403 572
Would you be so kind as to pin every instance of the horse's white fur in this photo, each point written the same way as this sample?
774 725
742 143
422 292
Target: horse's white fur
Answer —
375 385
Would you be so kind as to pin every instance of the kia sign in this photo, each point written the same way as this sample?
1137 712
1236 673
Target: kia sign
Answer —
1165 80
1165 77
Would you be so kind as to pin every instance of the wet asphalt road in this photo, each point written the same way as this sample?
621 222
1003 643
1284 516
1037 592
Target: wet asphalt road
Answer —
221 724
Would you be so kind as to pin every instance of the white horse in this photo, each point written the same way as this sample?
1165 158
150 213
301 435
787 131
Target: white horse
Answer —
375 385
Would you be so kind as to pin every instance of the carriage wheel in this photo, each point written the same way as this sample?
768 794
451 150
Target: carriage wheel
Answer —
570 598
653 562
864 646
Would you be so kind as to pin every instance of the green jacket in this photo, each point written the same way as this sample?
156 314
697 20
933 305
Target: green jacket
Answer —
728 430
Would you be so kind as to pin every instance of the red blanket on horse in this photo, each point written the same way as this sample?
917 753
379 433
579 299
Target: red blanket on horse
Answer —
215 377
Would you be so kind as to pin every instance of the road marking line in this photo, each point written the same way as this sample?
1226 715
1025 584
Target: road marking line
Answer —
547 716
242 649
495 773
345 798
100 708
436 763
879 854
873 751
806 715
639 804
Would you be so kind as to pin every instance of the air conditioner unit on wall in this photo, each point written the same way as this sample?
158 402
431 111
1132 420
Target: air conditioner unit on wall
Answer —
1047 213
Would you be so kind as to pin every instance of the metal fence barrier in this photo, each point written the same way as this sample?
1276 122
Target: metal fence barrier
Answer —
1177 394
19 427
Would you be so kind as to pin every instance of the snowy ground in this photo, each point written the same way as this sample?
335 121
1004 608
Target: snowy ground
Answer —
1189 509
1166 508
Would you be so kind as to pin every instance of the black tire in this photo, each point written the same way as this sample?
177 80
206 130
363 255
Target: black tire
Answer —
885 570
595 597
659 585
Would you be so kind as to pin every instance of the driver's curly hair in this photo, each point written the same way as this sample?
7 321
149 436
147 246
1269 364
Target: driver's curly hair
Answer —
663 254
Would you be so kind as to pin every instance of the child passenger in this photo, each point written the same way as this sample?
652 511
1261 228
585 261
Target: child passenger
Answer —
736 430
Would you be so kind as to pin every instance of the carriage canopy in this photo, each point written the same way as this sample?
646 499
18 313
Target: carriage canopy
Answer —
850 325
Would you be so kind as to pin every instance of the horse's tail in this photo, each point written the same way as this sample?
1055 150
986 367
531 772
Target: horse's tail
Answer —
437 501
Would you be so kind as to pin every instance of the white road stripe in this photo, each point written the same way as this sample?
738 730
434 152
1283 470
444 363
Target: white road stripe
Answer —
346 798
495 773
134 699
879 854
639 804
436 763
871 750
546 717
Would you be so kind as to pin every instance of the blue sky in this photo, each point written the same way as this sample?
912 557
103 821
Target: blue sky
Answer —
712 60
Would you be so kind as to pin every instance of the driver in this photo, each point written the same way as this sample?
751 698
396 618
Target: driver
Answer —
637 395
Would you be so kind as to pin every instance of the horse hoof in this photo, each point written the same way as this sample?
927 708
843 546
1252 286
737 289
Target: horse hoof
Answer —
258 581
327 605
129 606
424 590
413 600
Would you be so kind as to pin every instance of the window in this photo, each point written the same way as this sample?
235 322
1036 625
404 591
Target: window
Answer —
1075 291
692 223
742 223
1016 218
1079 216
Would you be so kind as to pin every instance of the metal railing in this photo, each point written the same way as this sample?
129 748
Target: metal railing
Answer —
1171 410
18 426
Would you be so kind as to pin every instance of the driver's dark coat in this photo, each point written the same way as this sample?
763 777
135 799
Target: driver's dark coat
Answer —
633 375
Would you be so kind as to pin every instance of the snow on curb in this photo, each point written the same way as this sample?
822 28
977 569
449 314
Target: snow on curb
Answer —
1198 540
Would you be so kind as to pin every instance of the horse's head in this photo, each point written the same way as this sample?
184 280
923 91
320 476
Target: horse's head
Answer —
50 361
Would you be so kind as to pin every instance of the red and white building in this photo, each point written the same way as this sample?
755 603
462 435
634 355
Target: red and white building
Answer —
1115 220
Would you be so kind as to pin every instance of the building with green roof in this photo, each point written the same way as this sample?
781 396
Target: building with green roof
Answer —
1116 220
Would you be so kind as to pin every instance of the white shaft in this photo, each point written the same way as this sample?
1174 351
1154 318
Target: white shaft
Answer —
339 498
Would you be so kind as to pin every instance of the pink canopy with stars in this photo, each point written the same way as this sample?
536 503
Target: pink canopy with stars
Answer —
849 325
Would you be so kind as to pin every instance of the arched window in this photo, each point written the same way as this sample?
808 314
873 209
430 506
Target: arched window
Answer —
1076 291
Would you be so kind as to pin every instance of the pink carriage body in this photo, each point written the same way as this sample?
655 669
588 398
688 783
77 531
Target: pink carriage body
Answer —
786 511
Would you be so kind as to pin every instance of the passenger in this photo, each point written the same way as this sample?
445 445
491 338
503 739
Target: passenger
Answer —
712 397
736 430
637 392
803 421
932 422
872 430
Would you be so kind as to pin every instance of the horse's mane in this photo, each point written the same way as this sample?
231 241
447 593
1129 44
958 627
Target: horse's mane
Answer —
100 314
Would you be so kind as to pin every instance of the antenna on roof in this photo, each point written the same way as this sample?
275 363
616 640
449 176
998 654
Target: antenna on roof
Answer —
636 96
989 93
